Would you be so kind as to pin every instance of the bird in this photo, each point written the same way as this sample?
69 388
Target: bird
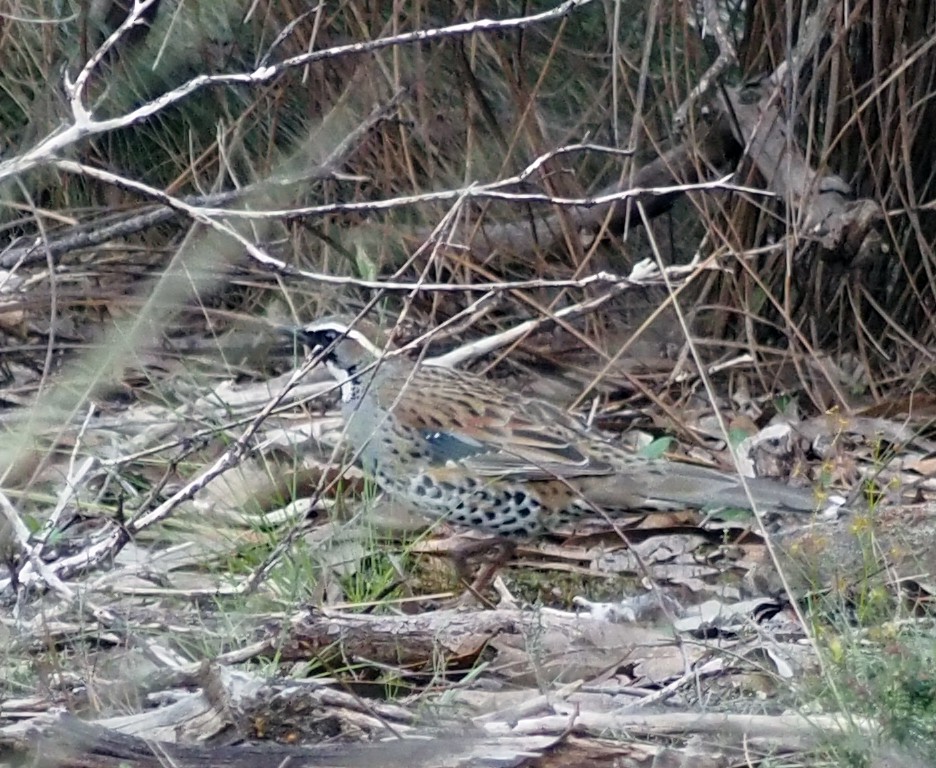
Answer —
458 447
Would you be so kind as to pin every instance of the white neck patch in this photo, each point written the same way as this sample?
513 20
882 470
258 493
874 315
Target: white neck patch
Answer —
350 387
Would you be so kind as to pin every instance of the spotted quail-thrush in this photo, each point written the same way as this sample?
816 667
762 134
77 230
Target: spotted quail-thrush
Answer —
458 447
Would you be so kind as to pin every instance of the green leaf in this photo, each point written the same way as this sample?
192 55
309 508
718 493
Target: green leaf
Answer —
732 513
32 523
736 436
656 449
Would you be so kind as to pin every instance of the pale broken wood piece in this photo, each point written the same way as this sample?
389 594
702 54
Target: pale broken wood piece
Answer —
65 741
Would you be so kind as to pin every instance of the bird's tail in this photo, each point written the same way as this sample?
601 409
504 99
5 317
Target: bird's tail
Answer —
663 485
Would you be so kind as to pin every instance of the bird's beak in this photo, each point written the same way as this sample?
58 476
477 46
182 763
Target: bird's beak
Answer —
294 334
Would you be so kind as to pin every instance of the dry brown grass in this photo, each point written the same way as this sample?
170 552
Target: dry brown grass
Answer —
120 289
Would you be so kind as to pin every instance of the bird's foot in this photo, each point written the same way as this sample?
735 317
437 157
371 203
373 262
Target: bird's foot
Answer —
495 552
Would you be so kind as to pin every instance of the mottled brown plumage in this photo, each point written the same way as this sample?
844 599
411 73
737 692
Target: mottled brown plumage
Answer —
458 447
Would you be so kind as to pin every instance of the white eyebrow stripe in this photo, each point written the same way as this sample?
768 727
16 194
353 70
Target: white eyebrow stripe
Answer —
351 333
361 339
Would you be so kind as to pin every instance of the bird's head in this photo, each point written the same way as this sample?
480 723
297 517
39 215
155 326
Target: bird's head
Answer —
346 350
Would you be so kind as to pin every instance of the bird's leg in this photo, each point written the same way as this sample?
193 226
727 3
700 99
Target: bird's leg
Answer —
497 551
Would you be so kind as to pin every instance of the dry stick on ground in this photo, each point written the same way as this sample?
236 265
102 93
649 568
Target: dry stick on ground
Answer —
243 703
63 740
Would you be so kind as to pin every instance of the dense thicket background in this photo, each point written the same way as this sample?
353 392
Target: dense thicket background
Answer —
173 187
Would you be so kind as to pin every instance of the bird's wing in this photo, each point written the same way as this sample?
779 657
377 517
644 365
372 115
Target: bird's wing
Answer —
491 433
